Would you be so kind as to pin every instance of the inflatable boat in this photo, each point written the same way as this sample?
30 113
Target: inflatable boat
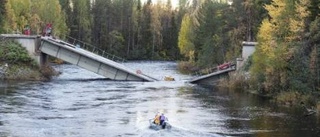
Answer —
154 126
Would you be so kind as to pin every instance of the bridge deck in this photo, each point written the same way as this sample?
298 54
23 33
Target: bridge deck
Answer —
210 79
90 61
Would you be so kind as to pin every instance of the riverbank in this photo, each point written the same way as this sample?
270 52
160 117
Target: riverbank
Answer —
16 64
240 82
28 73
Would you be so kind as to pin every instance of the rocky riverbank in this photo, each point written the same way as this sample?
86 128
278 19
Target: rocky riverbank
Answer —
27 72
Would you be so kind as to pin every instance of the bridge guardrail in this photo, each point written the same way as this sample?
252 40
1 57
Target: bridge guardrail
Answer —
205 71
94 49
213 69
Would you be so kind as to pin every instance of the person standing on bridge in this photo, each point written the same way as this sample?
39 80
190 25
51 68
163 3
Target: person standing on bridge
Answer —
47 30
26 30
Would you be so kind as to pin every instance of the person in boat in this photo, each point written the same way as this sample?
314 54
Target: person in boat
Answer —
162 119
156 119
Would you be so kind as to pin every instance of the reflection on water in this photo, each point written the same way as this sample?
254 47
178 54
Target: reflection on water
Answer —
81 103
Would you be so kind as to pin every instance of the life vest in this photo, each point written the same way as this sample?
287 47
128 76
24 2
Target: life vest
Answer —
157 120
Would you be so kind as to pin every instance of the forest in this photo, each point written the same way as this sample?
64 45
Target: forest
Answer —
201 32
144 30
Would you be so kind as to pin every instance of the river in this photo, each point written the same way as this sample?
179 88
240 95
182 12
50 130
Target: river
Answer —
80 103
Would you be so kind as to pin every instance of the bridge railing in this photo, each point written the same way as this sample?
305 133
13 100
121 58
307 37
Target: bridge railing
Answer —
94 49
214 69
205 71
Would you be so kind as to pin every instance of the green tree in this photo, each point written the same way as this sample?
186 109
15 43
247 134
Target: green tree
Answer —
146 31
315 54
81 27
67 12
49 11
2 15
116 43
17 15
211 41
186 38
280 63
101 12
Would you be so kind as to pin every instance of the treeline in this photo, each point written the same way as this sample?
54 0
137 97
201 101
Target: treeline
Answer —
212 31
287 56
126 28
206 32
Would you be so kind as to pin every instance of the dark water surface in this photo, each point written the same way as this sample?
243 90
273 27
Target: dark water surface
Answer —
79 103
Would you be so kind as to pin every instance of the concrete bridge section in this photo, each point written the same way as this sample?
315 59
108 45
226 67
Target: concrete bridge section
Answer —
212 78
40 47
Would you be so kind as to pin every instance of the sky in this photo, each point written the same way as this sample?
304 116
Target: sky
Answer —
173 2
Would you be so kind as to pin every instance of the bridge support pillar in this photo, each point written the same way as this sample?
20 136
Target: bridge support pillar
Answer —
239 63
43 59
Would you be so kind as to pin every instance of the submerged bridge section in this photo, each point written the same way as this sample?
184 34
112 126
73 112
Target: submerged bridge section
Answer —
40 47
212 78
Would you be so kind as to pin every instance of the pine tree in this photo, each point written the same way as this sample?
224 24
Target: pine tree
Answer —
67 12
101 12
2 15
146 31
82 20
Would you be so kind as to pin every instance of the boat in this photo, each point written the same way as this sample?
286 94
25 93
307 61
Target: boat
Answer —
158 127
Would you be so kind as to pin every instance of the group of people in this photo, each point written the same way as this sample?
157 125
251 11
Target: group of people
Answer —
159 119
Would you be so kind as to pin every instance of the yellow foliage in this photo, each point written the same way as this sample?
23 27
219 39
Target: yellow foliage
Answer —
264 36
185 38
276 9
297 23
35 13
10 23
17 14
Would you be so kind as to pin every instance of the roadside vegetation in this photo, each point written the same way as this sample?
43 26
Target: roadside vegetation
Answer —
20 66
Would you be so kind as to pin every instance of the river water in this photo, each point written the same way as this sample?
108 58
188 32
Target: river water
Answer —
79 103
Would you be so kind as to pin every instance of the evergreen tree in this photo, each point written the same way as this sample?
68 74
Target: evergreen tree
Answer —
2 15
81 28
314 8
146 32
101 12
210 48
67 12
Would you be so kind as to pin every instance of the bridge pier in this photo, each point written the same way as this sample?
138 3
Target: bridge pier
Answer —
43 59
